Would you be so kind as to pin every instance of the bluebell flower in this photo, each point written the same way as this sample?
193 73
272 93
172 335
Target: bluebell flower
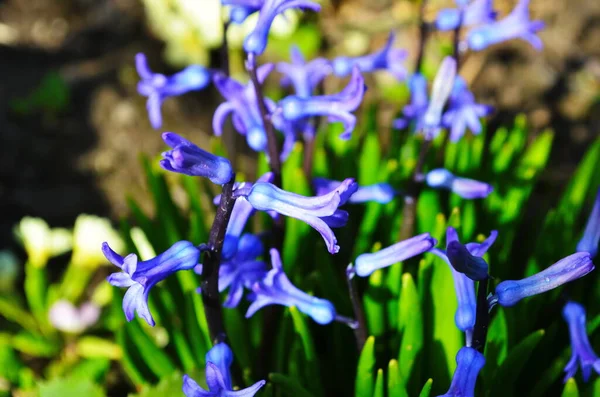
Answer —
140 277
474 267
240 268
477 12
312 210
510 292
256 41
591 235
187 158
465 287
387 58
242 9
516 25
365 264
441 178
468 364
218 377
241 102
419 100
582 353
304 76
276 289
337 106
463 111
157 86
380 192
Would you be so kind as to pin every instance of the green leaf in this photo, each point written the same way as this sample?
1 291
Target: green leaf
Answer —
311 368
366 365
410 325
395 382
12 311
497 344
378 392
570 389
36 286
35 345
289 386
374 304
168 386
369 160
426 390
93 346
70 387
575 193
154 357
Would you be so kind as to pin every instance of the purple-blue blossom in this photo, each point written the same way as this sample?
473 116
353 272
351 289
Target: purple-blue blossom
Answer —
303 76
441 178
477 12
510 292
187 158
463 112
380 192
242 9
242 105
591 235
516 25
141 276
218 377
316 211
474 267
387 58
582 354
365 264
256 41
468 364
419 101
276 289
337 107
157 86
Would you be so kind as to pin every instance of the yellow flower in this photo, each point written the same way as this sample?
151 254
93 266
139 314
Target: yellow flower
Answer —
40 242
89 233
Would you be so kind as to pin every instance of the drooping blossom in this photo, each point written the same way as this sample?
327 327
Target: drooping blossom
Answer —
582 354
242 9
468 364
591 234
419 101
276 289
477 12
157 87
466 188
380 192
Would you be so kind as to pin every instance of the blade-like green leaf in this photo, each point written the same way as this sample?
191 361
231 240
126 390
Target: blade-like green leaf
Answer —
378 392
570 389
410 324
289 386
395 382
365 380
426 390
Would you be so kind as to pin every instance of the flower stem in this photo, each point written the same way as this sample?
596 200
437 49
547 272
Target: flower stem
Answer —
482 319
224 50
456 41
423 31
360 330
212 263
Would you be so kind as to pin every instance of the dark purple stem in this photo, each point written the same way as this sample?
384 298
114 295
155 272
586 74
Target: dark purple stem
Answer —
456 41
360 331
225 51
482 319
423 31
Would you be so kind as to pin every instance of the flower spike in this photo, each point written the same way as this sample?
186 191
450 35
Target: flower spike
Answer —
304 76
366 264
466 188
510 292
157 86
276 289
256 41
140 277
468 364
574 315
591 235
187 158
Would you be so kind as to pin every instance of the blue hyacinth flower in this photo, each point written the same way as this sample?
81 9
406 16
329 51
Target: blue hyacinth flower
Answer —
387 58
463 112
510 292
157 86
582 353
256 41
463 285
276 289
218 377
468 364
591 234
318 211
477 12
337 107
516 25
474 267
241 103
187 158
419 100
441 178
242 9
365 264
240 268
381 193
140 277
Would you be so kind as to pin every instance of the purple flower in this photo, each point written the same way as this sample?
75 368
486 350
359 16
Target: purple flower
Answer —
241 9
419 101
276 289
474 267
366 264
157 86
218 377
241 103
239 268
574 266
441 178
387 58
256 41
478 12
313 210
591 235
517 25
187 158
304 76
381 192
463 112
469 362
337 106
574 315
140 277
463 285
